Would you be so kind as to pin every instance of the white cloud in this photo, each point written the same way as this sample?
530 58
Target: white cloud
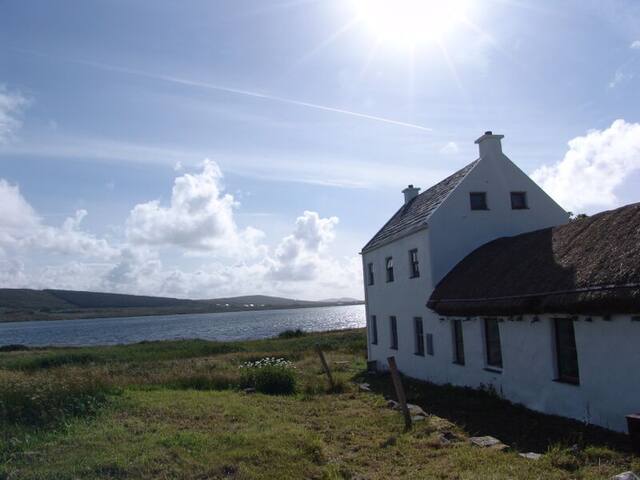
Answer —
199 217
21 229
11 105
450 148
596 164
635 45
620 77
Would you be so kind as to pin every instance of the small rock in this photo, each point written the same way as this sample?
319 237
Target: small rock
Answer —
418 418
365 387
447 438
626 476
531 455
249 390
392 404
416 410
488 442
388 442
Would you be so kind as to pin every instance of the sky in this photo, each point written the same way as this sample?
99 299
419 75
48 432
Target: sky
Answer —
211 148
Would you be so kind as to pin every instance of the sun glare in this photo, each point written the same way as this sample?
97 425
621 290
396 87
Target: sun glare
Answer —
411 22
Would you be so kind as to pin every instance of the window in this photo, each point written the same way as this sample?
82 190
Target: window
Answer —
566 351
374 330
478 200
492 342
393 323
519 201
370 273
458 342
414 264
389 267
430 344
419 334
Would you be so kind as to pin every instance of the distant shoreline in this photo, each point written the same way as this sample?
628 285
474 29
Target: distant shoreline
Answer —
91 314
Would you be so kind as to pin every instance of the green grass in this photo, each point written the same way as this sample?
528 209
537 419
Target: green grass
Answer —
175 410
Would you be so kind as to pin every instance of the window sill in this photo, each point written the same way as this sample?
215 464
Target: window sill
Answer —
461 364
414 276
493 369
480 209
393 348
568 381
417 354
523 208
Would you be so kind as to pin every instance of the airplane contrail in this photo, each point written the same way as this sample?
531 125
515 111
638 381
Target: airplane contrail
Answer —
236 91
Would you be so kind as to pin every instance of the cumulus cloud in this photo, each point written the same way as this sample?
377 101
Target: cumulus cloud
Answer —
200 216
596 164
299 256
450 148
22 229
11 105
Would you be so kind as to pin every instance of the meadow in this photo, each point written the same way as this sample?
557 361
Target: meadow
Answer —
196 409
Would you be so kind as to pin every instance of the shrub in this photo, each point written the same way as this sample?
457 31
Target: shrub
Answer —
13 348
42 399
275 376
57 360
290 333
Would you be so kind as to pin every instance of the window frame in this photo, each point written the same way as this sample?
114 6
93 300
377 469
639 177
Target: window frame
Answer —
490 343
429 341
393 327
389 270
374 330
524 197
485 203
560 365
418 335
370 274
414 263
458 342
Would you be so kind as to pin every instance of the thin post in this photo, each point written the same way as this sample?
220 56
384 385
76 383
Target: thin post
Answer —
325 365
397 384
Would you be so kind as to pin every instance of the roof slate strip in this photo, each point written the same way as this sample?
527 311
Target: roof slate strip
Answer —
415 214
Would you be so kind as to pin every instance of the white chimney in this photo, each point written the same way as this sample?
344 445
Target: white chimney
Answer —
410 193
490 144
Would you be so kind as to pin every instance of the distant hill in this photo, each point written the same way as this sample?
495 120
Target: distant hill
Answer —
342 300
26 304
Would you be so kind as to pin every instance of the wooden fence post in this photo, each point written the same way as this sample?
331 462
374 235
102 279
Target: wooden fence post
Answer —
397 384
325 366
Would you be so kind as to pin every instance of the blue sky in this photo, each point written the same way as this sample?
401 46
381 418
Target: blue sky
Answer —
301 106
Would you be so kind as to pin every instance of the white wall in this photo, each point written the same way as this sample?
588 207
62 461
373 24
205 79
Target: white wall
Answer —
608 356
456 230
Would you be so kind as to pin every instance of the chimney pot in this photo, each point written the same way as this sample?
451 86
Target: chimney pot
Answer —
410 193
488 132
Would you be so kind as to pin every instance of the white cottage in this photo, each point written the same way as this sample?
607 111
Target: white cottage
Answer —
481 280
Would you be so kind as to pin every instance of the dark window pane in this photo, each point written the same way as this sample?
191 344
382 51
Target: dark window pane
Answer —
566 351
414 265
394 332
492 338
430 343
374 330
389 268
458 342
478 200
419 334
370 273
518 200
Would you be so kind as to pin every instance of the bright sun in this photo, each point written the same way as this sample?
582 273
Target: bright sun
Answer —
409 23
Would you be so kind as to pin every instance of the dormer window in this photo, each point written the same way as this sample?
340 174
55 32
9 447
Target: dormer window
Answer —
389 267
478 200
519 201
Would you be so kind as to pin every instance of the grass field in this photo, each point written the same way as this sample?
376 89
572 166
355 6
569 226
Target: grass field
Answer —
175 410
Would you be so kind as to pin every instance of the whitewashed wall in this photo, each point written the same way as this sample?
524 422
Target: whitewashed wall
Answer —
456 230
608 354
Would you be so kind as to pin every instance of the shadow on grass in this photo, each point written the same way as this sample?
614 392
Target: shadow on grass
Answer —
484 413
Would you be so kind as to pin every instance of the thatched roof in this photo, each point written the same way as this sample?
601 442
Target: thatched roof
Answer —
414 215
588 266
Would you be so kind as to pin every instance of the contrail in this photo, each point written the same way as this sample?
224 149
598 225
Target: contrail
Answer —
236 91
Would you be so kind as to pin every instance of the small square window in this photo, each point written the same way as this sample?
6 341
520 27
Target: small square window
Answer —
478 200
519 201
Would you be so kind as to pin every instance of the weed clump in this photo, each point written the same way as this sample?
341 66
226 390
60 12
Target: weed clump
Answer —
274 376
290 333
